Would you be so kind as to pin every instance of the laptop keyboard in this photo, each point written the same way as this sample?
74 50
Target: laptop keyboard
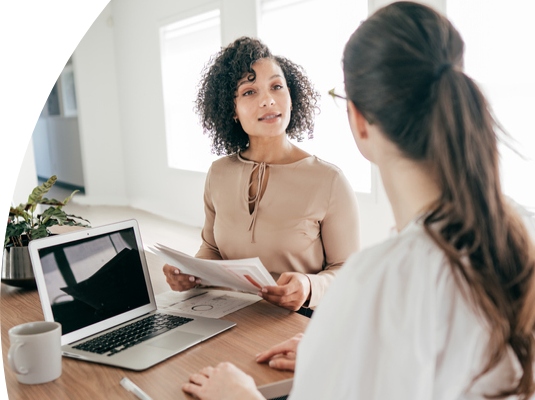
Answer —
130 335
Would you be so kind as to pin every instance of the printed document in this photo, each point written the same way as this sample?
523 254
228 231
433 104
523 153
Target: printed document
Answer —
247 275
209 303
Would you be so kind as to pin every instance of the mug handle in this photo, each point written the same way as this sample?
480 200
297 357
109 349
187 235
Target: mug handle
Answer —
11 358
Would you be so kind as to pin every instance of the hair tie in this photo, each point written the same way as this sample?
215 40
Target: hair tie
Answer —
440 69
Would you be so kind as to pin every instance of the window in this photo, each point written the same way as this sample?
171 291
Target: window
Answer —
185 47
68 93
499 56
313 33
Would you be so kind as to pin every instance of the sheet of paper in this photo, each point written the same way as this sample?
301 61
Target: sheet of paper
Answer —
209 303
211 272
251 263
248 275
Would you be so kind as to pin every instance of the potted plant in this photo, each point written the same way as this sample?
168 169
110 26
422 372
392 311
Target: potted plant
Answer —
24 225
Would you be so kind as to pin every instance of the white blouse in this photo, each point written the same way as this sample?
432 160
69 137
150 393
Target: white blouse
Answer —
395 325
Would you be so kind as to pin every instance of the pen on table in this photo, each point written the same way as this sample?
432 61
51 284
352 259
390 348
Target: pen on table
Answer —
132 387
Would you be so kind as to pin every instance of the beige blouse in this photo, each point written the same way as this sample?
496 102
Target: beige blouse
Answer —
306 221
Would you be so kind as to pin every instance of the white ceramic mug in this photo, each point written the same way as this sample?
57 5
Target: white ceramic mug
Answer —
35 352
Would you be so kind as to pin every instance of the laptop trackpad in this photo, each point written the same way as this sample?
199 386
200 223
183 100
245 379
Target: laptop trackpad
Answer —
176 340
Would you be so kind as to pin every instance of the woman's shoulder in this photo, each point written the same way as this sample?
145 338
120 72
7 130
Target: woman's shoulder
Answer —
319 168
224 163
410 253
225 160
323 165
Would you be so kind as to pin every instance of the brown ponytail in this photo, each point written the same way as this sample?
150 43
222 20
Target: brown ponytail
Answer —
478 224
403 70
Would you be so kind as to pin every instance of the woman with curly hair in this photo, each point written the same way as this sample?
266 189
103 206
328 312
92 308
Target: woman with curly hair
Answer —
268 198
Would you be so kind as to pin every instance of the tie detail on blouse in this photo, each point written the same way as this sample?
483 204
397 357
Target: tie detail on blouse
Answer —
261 167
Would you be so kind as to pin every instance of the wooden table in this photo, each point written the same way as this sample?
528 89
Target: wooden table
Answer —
259 327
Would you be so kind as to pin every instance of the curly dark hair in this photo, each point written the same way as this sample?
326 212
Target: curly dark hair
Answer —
217 89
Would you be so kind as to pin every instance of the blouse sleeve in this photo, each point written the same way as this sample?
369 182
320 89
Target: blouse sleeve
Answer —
340 234
208 249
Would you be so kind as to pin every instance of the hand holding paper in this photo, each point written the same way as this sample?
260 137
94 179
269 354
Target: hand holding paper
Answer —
292 292
248 275
178 281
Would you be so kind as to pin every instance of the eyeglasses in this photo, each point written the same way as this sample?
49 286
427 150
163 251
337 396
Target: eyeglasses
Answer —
335 96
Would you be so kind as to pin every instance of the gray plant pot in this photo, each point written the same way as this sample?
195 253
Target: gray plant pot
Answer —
17 268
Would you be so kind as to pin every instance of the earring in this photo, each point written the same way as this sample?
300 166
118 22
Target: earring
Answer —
235 120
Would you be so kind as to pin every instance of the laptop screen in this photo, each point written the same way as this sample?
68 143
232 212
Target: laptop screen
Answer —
93 279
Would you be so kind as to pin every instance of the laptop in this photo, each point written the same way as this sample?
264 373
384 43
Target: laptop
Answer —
96 283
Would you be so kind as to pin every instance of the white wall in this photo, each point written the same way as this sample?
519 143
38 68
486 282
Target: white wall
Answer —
119 93
102 142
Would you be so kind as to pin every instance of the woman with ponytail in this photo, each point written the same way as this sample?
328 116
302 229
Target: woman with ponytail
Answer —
446 309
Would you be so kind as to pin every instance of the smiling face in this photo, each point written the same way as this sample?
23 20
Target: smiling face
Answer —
263 106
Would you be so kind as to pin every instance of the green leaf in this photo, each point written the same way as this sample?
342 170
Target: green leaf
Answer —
51 202
71 222
14 230
17 212
70 197
77 217
54 213
38 193
38 233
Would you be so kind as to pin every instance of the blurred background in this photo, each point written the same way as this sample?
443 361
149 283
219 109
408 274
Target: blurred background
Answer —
119 125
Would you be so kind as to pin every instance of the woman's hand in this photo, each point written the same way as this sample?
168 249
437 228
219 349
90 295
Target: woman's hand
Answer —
177 281
292 292
281 356
225 381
